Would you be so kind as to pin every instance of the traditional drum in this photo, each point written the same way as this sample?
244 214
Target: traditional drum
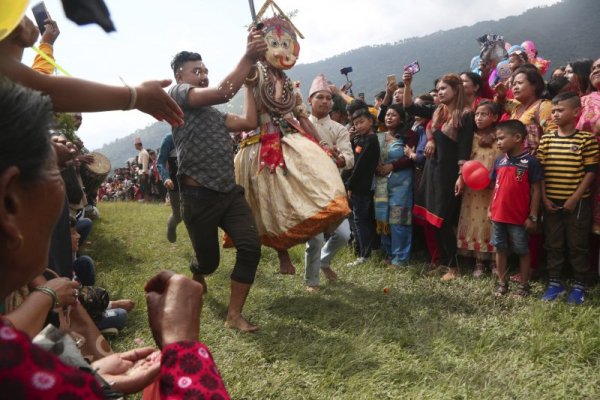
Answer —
95 173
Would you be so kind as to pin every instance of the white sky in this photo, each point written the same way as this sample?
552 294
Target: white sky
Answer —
150 32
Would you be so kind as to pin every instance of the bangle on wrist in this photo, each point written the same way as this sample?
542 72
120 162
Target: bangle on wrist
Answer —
50 292
132 95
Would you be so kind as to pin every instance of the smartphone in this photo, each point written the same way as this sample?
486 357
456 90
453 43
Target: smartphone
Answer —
412 68
392 79
40 12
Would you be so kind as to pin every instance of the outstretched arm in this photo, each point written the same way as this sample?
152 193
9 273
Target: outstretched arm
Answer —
228 87
72 94
249 119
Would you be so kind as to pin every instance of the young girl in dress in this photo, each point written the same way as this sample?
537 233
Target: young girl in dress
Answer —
474 227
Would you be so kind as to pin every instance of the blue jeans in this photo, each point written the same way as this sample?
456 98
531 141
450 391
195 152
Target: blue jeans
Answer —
83 227
85 269
398 244
515 237
362 209
319 253
113 318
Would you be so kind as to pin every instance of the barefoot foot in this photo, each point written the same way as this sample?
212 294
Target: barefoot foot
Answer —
329 274
285 263
125 304
240 323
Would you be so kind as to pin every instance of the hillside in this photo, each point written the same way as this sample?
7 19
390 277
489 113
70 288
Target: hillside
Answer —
561 32
120 150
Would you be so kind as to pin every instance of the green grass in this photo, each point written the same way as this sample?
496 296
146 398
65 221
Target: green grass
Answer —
424 339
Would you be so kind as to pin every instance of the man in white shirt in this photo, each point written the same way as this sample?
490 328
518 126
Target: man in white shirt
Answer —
318 251
143 161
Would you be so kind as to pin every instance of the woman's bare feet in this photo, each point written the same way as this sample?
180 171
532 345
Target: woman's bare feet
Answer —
312 289
285 263
329 274
125 304
239 322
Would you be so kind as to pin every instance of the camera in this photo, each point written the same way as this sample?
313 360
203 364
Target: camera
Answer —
346 70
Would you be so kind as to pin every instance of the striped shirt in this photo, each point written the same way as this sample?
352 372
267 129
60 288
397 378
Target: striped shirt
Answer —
566 160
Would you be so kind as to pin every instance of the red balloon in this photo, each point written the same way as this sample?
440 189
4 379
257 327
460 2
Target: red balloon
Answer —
470 166
478 179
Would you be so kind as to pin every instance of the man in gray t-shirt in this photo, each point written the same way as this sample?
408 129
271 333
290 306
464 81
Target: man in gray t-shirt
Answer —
209 195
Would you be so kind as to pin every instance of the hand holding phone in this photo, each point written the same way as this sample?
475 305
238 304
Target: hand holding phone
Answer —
391 79
40 12
412 68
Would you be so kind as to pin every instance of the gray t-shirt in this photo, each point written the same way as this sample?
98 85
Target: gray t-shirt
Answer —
203 144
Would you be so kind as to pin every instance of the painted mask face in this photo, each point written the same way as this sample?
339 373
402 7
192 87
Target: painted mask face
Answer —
283 45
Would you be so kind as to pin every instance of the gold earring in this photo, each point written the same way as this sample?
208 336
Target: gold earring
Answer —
18 243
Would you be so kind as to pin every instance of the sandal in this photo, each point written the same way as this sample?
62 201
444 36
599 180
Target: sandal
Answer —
516 277
434 269
479 270
501 289
523 291
493 268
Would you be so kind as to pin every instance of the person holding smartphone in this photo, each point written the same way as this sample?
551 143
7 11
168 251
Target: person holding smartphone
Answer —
51 33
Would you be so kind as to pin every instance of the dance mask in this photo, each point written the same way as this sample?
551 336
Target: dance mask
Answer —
283 44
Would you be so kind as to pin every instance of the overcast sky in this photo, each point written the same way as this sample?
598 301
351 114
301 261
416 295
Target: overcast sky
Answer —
150 32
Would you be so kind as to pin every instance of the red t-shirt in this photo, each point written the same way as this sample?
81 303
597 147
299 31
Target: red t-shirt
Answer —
513 177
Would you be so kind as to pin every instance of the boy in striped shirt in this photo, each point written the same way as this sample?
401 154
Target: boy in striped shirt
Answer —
570 159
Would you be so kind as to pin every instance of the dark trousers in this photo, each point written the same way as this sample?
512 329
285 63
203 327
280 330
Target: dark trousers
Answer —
204 211
174 200
568 231
446 241
85 269
362 209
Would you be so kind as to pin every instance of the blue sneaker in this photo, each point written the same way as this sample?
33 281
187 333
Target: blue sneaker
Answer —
577 294
554 291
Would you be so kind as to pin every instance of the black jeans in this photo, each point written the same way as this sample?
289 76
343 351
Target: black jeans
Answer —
362 209
568 231
204 211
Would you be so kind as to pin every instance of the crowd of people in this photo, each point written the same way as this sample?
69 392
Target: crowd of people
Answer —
346 171
131 183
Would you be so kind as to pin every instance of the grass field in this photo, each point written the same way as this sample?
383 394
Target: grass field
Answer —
423 339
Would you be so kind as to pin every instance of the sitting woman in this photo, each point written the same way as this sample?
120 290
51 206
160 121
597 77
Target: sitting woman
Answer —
394 187
28 173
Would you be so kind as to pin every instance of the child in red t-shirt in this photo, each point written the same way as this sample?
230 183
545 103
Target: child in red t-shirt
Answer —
514 207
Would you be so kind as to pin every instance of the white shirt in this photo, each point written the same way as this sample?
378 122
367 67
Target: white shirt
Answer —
335 134
143 158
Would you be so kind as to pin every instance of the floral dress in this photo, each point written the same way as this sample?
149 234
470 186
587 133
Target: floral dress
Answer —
474 228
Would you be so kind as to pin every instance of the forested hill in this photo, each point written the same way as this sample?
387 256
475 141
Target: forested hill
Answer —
562 32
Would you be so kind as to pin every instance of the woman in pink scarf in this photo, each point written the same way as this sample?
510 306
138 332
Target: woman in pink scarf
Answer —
589 121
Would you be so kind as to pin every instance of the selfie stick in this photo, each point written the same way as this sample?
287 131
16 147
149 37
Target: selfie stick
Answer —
350 82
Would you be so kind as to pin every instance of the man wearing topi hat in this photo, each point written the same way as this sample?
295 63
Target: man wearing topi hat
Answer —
318 251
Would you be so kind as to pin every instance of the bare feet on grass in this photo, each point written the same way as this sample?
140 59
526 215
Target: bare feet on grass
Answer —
240 323
125 304
285 263
329 274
